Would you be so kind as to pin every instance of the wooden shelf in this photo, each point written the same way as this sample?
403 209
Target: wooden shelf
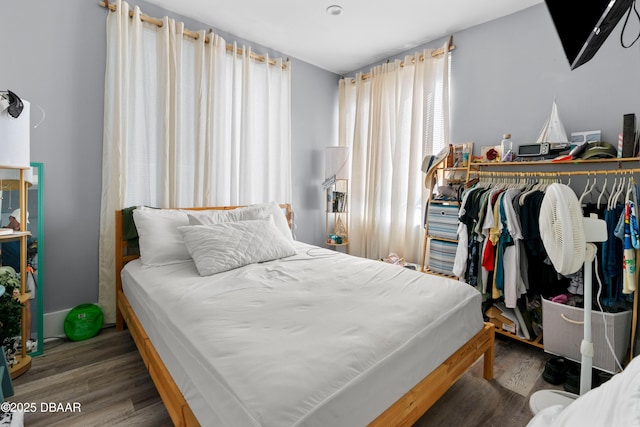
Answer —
444 239
536 343
333 216
435 273
447 173
551 163
597 166
445 202
23 361
22 366
15 235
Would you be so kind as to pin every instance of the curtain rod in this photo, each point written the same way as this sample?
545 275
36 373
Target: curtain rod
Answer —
192 34
435 53
503 174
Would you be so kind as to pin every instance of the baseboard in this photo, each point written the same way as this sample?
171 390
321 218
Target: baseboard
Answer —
54 323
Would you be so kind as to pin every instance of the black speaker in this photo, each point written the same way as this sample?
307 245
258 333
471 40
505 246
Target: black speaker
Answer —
628 135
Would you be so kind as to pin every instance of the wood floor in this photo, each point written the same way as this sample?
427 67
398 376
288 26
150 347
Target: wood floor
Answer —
503 401
107 377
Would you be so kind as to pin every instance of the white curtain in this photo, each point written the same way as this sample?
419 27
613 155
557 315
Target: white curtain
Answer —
392 119
186 123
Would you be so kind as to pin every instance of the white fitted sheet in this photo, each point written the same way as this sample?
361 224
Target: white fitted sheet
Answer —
317 339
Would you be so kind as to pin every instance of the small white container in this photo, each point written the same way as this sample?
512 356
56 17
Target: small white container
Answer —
507 148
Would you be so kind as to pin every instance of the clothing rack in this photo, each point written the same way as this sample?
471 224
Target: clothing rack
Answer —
552 174
483 174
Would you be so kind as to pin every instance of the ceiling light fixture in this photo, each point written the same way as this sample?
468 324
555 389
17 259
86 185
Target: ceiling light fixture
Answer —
334 10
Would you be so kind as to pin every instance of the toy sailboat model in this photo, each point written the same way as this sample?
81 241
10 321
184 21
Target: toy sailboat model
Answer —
553 129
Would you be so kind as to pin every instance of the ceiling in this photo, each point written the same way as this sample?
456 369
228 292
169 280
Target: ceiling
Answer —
365 32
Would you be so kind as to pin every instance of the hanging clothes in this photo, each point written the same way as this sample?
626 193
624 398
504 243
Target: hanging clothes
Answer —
542 277
466 258
523 264
480 275
629 253
635 232
488 247
612 254
466 220
503 239
513 286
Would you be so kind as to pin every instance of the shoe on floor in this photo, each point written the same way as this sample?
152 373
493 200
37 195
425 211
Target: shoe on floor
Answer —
555 370
572 383
32 345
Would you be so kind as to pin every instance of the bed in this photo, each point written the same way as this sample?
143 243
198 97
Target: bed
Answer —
309 339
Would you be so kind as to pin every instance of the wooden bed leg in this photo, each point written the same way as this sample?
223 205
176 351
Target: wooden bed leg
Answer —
119 320
488 358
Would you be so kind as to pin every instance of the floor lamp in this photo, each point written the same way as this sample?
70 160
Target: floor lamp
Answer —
337 168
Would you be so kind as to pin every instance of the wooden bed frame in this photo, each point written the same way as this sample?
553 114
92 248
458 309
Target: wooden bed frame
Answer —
404 412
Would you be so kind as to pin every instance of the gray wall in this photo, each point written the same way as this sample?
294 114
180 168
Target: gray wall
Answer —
53 54
314 118
506 73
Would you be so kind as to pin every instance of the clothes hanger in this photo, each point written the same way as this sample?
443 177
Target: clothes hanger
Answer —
602 192
614 188
525 194
619 192
522 183
588 190
545 182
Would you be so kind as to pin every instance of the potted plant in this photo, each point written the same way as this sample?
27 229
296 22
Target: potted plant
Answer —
10 312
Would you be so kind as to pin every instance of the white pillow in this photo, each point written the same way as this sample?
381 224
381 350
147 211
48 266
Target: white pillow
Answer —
159 239
220 247
257 211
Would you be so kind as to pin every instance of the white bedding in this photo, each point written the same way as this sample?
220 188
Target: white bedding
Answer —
614 403
316 339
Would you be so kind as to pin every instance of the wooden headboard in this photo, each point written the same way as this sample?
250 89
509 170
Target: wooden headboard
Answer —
125 253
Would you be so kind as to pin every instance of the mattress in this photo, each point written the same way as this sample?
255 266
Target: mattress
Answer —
320 338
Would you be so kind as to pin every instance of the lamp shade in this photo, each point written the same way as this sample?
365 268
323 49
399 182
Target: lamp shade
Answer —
15 138
337 162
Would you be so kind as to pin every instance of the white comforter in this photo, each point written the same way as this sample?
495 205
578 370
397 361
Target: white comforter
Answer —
316 339
615 403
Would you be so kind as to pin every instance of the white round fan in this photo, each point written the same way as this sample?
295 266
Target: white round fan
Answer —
562 228
567 237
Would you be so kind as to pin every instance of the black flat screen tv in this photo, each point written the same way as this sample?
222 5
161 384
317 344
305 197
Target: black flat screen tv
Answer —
584 26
